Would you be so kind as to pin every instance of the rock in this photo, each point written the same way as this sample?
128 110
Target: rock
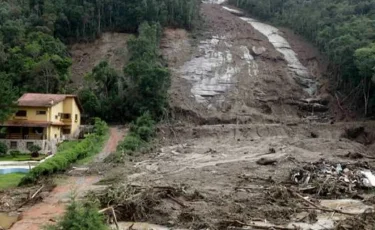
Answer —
44 195
258 50
266 161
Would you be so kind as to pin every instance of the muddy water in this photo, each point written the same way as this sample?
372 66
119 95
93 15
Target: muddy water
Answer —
6 220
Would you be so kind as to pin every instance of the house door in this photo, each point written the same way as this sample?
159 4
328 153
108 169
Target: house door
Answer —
25 132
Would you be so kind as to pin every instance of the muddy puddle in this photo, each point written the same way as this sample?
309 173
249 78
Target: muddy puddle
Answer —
7 220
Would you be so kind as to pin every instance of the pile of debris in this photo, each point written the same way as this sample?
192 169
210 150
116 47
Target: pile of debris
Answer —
334 180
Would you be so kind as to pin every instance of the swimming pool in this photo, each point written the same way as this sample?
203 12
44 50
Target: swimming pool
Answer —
15 169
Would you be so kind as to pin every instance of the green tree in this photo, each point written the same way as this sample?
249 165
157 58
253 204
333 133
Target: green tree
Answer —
81 216
7 97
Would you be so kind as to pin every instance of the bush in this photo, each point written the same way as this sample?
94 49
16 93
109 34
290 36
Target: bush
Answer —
81 216
100 127
140 133
34 149
144 127
3 148
68 155
15 153
130 143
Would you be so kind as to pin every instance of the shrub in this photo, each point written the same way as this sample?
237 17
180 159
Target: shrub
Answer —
81 216
100 127
68 155
15 153
130 143
34 149
3 148
140 133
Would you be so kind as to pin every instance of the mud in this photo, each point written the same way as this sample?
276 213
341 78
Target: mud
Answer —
109 47
228 71
210 177
242 122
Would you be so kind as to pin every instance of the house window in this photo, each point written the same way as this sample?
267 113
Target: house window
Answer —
76 117
66 131
41 112
29 144
21 113
57 117
65 116
13 144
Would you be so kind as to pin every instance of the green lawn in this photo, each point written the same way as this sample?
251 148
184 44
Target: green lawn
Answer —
10 180
22 157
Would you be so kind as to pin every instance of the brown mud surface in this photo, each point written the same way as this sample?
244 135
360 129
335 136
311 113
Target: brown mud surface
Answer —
243 152
221 176
234 83
109 47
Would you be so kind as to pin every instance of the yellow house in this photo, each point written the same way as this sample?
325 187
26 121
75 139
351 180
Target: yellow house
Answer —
42 119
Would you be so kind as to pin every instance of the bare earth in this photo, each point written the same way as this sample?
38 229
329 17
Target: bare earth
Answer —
227 161
109 47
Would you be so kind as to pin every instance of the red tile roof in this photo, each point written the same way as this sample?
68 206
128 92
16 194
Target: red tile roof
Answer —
44 100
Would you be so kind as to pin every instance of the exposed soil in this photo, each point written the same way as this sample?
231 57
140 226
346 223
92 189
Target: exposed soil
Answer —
241 139
109 47
217 176
255 88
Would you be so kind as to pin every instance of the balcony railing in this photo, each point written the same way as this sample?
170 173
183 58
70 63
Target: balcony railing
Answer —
19 136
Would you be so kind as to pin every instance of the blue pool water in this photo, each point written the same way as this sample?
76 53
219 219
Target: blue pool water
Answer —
13 170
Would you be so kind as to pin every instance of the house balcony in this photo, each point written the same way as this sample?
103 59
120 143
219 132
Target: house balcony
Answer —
20 136
66 121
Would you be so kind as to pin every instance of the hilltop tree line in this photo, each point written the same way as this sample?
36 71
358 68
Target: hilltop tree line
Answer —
344 30
34 34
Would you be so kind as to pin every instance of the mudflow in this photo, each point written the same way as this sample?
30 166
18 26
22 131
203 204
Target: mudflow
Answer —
255 144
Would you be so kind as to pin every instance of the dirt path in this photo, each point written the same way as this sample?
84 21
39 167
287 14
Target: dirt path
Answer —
53 206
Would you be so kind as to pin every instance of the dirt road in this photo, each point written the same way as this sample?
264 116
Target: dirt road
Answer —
53 206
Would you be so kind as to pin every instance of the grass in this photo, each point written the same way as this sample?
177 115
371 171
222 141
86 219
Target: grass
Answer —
66 145
22 157
10 180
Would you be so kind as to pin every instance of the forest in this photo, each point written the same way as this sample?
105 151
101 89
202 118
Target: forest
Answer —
34 35
344 30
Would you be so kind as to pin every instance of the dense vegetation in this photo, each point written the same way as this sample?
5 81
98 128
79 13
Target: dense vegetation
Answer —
92 144
142 87
141 132
34 34
79 216
343 29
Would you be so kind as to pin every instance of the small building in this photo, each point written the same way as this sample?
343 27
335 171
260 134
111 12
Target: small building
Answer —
42 119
